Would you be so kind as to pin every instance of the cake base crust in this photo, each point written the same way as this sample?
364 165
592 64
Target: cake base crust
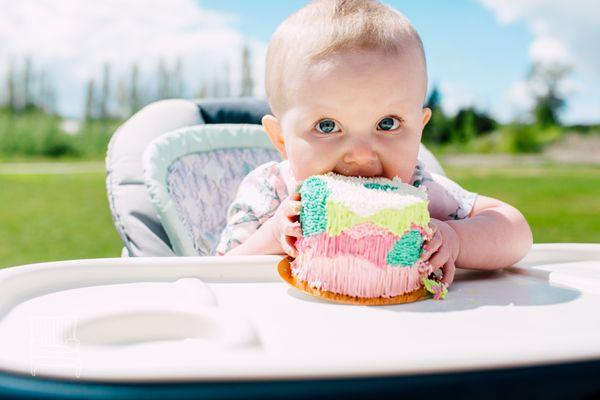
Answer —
285 272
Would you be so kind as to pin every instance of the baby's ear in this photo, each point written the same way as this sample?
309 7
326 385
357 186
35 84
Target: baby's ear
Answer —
271 126
426 115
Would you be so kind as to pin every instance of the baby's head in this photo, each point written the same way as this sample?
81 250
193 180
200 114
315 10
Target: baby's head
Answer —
346 81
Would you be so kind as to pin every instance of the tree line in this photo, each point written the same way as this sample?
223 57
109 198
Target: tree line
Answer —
544 84
27 87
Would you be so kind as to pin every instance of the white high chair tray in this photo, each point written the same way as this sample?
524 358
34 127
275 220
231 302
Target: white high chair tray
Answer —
223 318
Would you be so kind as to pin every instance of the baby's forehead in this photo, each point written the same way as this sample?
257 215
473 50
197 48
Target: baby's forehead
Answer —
360 63
362 75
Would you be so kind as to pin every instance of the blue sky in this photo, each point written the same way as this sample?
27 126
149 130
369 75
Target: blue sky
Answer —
479 51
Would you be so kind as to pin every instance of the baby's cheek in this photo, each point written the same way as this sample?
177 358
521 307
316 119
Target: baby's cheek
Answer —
307 161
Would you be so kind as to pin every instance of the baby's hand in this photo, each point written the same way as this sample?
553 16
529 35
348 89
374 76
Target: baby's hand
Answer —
286 226
441 251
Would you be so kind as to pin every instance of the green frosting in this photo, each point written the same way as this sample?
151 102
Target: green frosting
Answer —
340 218
378 186
313 214
436 288
406 250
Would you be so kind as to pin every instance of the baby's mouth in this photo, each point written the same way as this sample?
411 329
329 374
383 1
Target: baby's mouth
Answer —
366 170
364 174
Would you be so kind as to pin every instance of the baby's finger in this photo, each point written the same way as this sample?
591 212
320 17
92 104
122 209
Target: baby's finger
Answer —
431 246
295 196
293 229
293 208
433 227
448 271
288 246
298 186
440 257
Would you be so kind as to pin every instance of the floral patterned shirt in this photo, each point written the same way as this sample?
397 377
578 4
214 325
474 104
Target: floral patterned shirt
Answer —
265 187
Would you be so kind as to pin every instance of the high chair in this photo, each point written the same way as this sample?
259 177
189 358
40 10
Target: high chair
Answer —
174 201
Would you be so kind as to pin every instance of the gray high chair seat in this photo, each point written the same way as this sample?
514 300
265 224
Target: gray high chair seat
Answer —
133 212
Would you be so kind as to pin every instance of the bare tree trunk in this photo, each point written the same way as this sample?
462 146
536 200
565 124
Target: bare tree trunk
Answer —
27 78
247 81
89 101
177 79
164 85
105 94
10 88
226 86
134 95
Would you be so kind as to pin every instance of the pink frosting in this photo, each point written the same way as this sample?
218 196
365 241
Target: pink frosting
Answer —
354 262
355 276
365 240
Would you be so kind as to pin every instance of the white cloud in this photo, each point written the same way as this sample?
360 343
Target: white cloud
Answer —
454 97
562 29
72 40
519 98
549 50
564 32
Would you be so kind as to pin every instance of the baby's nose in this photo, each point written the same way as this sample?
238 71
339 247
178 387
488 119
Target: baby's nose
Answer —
360 154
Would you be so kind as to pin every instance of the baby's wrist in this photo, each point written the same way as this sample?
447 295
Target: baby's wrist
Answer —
456 239
274 229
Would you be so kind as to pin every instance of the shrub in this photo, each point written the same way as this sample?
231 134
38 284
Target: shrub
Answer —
523 138
32 133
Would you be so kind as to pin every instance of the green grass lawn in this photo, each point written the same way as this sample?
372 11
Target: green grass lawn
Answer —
561 202
57 217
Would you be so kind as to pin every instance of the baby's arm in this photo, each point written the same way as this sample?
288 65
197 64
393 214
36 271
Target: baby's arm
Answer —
260 242
248 216
495 235
278 234
471 231
262 219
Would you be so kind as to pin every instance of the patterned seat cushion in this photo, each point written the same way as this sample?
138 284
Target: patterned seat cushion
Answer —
203 184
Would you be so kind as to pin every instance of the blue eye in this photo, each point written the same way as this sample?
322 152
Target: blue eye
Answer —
387 124
326 126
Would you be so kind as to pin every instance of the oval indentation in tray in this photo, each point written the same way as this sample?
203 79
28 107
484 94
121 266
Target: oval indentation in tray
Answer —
207 326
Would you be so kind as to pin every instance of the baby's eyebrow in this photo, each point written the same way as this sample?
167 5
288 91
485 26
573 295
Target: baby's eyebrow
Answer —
313 111
322 110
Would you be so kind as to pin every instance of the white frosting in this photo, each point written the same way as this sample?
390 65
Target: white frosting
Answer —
348 189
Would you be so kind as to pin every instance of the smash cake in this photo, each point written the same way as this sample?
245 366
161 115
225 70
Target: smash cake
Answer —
362 241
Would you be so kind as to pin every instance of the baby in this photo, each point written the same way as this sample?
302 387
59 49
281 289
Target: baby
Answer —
346 81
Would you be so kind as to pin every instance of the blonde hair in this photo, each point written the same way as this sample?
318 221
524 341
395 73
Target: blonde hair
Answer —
326 27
